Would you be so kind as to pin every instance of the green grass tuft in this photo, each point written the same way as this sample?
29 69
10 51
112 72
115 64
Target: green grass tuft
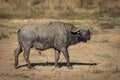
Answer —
103 55
107 26
6 30
3 35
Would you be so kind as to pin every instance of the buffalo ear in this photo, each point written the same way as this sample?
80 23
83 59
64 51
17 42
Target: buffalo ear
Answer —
74 30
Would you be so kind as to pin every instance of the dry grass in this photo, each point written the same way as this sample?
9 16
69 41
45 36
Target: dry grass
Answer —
6 30
102 49
81 9
107 26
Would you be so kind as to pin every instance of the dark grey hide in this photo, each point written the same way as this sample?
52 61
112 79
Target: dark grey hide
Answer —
56 35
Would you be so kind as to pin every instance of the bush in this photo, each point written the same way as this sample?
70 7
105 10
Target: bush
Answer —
3 35
6 30
106 26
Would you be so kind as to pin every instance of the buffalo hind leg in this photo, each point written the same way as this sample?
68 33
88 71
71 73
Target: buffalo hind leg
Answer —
26 56
16 54
66 55
57 56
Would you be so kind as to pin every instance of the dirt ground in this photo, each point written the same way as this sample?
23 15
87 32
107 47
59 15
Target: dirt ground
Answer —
98 59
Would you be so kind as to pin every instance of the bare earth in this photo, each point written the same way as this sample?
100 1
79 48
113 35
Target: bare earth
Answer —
98 59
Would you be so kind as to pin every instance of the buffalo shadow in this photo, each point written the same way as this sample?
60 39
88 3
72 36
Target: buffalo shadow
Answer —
61 64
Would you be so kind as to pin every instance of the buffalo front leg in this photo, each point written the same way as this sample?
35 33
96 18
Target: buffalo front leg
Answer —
57 56
66 55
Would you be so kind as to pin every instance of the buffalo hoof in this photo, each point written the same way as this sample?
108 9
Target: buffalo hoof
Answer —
57 66
29 67
16 67
70 67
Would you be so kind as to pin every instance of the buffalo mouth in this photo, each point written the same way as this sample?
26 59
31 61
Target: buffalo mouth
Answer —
84 40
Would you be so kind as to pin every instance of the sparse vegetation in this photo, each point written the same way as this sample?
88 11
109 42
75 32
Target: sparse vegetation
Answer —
95 32
107 26
6 30
3 35
97 71
116 70
105 40
103 55
46 76
13 75
80 9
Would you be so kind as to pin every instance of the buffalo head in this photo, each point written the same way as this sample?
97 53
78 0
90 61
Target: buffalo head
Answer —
83 33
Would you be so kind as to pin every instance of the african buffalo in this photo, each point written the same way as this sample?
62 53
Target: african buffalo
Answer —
56 35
